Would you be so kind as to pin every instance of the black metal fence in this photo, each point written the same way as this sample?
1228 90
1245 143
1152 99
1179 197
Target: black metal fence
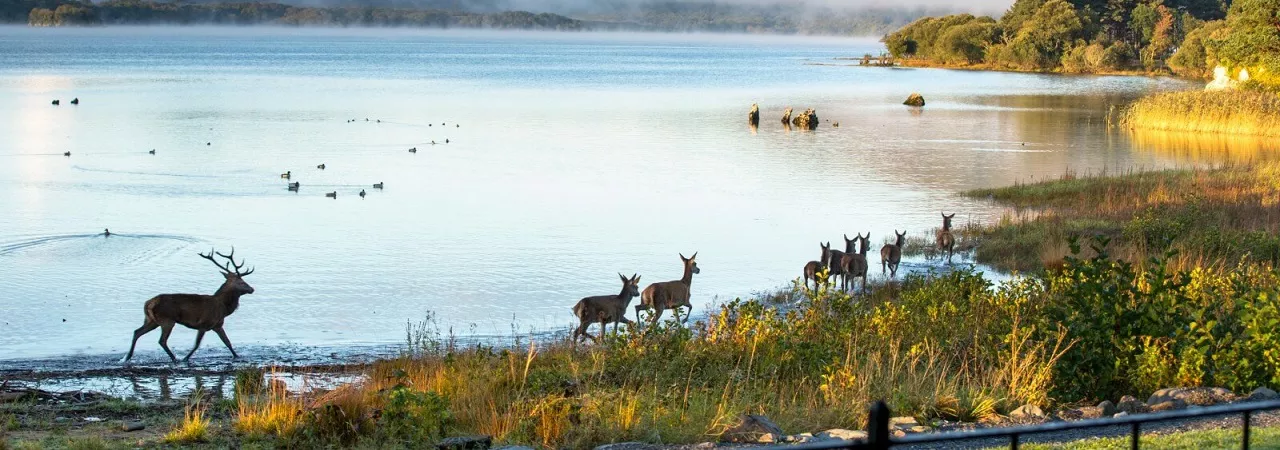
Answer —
879 437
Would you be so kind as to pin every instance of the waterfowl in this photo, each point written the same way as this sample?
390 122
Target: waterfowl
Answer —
294 186
413 150
75 101
106 232
379 120
333 195
153 151
208 143
836 125
286 175
321 167
433 142
429 125
446 141
377 185
56 103
457 126
66 154
362 193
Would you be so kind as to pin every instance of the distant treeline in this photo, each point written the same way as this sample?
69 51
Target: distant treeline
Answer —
1187 37
61 12
674 15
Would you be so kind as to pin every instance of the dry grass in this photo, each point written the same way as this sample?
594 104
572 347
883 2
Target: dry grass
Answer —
193 428
272 413
1210 217
1234 112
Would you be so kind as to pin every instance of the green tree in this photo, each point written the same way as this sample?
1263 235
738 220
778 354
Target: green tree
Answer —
1194 58
966 44
1044 38
1253 39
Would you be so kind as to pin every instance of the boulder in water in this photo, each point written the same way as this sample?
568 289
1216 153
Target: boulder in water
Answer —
807 120
914 100
753 117
786 117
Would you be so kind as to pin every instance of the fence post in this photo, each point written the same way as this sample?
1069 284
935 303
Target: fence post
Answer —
878 426
1244 444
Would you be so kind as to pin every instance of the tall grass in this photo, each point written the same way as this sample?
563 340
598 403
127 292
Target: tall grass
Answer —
193 428
266 410
1210 217
1240 112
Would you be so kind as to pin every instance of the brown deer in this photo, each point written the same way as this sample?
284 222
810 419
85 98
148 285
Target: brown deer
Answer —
196 311
670 294
606 308
855 264
812 268
891 254
835 265
946 241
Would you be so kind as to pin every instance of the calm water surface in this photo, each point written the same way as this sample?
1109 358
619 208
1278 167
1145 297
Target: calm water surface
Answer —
571 157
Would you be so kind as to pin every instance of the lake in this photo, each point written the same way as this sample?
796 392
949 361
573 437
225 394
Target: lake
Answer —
570 157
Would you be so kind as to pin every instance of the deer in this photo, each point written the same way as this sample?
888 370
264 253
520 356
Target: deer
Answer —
812 268
855 264
670 294
891 254
606 308
945 240
197 311
835 264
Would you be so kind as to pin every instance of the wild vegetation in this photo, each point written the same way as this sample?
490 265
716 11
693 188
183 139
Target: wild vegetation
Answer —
1214 217
1237 112
1187 37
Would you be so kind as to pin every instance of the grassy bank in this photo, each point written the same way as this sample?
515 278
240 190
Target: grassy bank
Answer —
1157 279
1236 112
1213 218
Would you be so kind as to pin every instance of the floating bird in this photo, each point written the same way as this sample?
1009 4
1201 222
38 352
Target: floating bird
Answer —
429 124
457 126
433 142
379 120
377 185
836 125
153 151
332 195
442 124
294 186
366 119
321 167
286 175
106 232
362 193
413 150
56 103
208 143
66 154
75 101
446 141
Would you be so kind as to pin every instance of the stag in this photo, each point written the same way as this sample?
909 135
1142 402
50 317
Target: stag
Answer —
197 311
855 264
891 254
606 308
812 268
670 294
946 241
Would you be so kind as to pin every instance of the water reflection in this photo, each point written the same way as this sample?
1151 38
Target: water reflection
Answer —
1205 147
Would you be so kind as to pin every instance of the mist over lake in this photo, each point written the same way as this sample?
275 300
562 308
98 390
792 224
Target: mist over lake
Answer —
570 157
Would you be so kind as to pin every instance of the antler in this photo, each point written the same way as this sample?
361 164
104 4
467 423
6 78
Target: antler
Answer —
231 262
209 257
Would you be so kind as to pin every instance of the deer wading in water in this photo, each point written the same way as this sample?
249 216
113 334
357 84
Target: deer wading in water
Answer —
891 254
606 308
812 268
670 294
945 240
196 311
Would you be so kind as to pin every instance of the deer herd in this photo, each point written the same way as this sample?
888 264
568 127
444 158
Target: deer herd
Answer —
205 313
